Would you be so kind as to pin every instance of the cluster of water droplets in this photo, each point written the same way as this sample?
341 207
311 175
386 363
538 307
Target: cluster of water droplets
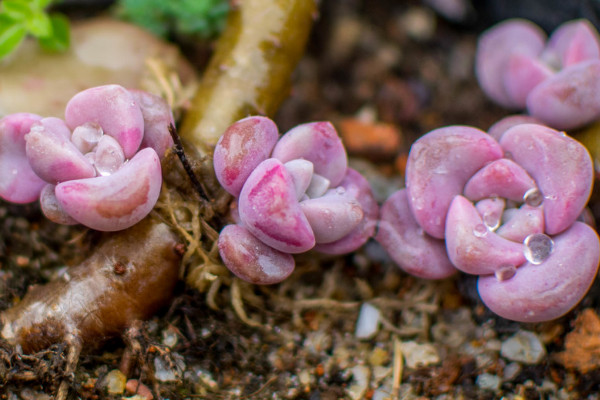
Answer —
103 151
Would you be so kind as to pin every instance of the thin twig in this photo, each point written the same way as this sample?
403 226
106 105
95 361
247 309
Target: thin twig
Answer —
186 164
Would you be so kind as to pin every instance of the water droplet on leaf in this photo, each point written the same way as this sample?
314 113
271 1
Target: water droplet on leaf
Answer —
505 272
538 248
533 197
480 230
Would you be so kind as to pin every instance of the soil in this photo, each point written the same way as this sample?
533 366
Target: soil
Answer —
383 63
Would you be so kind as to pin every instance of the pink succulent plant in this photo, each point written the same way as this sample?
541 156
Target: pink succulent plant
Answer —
293 194
556 80
504 207
100 166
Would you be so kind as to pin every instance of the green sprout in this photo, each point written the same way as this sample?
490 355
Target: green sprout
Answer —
18 18
203 18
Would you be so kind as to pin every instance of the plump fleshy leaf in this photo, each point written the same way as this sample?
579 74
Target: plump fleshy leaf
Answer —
113 108
269 209
548 290
408 245
319 143
439 165
240 149
117 201
18 181
252 260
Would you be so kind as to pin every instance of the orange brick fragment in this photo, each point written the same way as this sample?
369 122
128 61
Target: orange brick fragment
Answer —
582 345
371 139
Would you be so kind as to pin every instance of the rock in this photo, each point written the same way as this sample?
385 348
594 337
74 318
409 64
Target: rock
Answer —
488 382
114 382
368 321
360 376
419 355
524 346
103 51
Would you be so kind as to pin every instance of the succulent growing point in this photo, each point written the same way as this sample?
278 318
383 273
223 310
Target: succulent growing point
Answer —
100 166
556 80
504 207
293 194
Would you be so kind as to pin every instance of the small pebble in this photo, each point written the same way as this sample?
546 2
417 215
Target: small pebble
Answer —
525 347
368 321
114 382
488 382
511 371
360 377
138 389
164 372
419 355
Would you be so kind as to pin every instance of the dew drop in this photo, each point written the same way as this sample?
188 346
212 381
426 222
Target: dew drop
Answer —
491 220
505 272
538 248
340 190
533 197
480 230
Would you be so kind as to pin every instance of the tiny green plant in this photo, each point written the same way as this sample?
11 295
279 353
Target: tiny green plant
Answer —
203 18
18 18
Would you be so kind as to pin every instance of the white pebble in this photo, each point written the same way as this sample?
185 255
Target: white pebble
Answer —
368 321
525 347
419 355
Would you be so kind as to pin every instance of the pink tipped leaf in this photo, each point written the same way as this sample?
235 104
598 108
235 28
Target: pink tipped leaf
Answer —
252 260
549 290
439 165
319 143
157 118
561 166
407 244
500 178
18 182
117 201
240 149
112 107
270 211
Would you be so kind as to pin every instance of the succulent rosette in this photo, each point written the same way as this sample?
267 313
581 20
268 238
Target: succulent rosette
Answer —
556 79
504 207
100 166
293 194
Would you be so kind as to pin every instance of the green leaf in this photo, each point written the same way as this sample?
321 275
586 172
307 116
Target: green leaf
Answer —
41 4
39 24
11 35
18 10
60 38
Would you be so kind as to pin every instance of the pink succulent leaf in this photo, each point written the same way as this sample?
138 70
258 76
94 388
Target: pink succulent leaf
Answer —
548 290
301 172
439 165
157 119
113 108
474 248
319 143
333 215
86 137
52 155
318 186
18 181
494 48
117 201
490 210
252 260
561 166
270 211
359 188
569 99
52 209
523 73
497 130
500 178
571 43
407 244
108 156
521 222
243 146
